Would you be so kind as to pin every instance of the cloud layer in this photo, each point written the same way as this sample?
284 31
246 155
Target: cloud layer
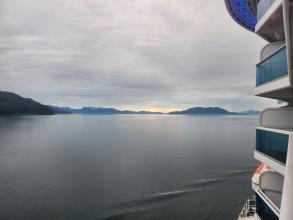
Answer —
143 54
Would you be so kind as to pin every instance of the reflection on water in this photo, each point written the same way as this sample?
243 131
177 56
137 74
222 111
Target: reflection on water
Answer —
125 167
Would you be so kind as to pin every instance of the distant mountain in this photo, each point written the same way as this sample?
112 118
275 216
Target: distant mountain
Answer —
250 112
59 110
11 103
93 110
97 111
204 111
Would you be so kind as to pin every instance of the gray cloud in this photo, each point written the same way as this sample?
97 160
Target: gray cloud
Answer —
127 54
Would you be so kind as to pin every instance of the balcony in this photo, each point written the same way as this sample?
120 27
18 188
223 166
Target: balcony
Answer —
263 210
271 185
273 145
269 194
272 68
270 22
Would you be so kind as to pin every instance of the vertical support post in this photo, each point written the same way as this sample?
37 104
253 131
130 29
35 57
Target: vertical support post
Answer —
286 212
288 26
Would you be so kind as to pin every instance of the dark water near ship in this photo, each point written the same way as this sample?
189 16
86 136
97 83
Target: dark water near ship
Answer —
129 167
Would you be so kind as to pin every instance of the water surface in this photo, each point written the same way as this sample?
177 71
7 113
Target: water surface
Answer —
129 167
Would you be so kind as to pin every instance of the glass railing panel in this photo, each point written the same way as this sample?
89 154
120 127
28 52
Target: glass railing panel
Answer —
262 7
263 210
272 68
272 144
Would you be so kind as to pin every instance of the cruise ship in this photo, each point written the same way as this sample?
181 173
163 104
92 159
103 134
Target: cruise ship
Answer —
272 183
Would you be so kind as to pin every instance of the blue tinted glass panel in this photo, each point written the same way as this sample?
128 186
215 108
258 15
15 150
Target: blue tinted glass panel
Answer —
272 68
274 145
263 210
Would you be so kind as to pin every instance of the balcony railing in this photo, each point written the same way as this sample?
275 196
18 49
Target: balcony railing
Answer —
274 145
273 67
263 210
271 185
262 7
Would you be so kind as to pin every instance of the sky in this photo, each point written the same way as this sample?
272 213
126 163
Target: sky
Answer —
158 55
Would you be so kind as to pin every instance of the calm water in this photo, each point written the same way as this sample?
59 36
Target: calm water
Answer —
129 167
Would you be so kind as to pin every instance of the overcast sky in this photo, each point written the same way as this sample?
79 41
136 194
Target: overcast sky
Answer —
129 54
